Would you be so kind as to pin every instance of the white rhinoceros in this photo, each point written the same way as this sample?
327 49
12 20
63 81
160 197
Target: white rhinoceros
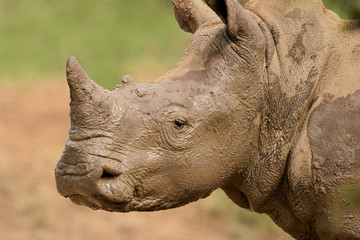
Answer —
265 104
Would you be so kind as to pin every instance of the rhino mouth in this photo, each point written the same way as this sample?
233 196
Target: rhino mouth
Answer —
93 181
100 194
109 189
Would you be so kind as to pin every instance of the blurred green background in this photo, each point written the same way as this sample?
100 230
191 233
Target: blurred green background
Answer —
110 38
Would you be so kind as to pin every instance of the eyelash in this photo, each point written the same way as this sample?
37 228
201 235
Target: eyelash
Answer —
179 123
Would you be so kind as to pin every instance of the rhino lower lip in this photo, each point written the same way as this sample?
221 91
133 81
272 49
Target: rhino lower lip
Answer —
82 200
97 202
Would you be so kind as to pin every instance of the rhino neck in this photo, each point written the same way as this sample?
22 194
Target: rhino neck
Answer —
304 65
291 85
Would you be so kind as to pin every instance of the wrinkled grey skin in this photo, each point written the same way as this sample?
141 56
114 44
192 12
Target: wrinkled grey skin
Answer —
265 104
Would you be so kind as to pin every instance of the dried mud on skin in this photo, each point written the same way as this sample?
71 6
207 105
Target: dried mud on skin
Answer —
33 129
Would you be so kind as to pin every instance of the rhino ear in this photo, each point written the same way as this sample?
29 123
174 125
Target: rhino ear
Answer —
192 14
238 22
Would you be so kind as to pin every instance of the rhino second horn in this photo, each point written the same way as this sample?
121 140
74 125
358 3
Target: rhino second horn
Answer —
127 79
82 88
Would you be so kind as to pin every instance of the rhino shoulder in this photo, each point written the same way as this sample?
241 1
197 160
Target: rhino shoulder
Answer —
334 140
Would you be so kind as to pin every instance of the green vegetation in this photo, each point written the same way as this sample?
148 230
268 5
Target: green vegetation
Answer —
109 37
347 9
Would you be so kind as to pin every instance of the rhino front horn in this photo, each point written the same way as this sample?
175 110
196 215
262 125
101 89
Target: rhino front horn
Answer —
82 88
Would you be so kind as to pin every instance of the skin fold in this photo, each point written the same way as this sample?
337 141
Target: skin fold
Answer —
264 103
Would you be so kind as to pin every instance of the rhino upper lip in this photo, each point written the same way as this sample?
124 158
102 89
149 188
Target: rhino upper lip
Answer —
107 172
98 199
79 169
82 178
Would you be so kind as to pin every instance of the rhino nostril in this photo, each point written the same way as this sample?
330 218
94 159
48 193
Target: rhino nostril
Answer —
108 175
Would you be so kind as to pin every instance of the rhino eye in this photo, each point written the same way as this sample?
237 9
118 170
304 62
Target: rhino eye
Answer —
179 123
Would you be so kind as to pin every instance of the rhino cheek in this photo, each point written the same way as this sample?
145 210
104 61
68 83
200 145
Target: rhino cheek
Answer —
181 183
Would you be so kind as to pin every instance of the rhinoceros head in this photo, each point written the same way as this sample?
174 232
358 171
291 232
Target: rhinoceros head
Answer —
160 145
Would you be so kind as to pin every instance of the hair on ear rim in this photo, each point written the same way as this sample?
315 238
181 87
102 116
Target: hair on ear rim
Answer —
238 22
220 8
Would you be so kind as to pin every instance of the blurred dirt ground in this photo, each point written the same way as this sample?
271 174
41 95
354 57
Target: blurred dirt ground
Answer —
33 129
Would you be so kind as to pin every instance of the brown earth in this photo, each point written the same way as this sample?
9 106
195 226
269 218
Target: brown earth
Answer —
33 129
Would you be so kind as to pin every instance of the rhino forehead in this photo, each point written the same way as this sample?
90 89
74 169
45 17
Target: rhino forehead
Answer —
188 92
